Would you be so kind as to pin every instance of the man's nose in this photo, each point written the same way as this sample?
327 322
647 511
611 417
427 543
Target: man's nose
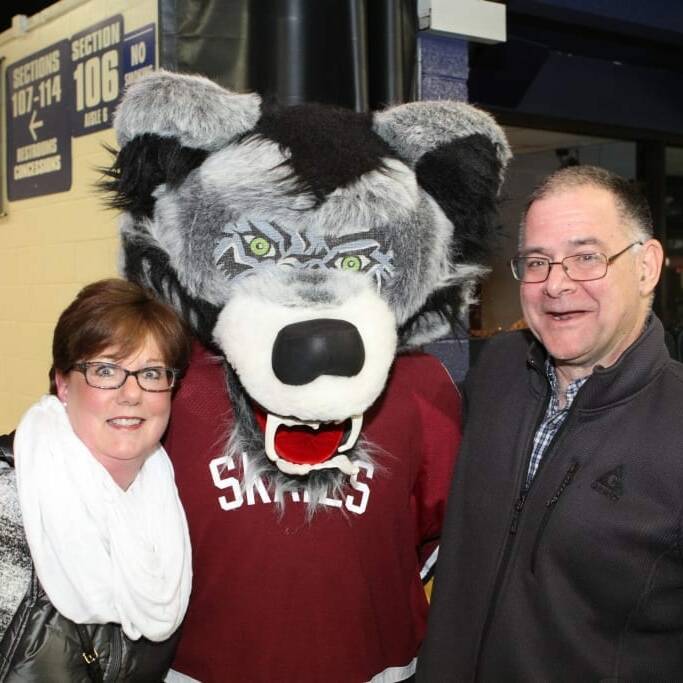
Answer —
558 281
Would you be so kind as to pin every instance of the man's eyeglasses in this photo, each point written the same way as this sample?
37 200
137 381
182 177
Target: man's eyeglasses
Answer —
111 376
580 267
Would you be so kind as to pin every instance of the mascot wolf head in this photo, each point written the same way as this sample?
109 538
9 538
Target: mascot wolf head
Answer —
308 244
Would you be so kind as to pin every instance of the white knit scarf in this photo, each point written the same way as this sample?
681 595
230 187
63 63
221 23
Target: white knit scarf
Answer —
102 554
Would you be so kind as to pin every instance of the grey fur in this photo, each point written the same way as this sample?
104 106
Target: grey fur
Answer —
193 109
421 246
415 128
15 558
377 199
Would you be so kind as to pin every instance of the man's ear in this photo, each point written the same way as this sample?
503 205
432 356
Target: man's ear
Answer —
650 262
62 384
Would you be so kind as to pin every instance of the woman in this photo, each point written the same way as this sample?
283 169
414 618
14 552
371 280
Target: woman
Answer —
100 583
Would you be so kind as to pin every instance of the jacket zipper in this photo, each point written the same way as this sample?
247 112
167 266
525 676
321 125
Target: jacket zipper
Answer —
550 506
516 514
512 530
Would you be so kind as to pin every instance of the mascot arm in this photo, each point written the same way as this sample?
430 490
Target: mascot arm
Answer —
440 423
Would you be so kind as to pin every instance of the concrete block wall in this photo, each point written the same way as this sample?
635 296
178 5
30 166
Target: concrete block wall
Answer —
50 247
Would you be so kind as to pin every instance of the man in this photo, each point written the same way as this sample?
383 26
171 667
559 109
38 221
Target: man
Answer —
562 555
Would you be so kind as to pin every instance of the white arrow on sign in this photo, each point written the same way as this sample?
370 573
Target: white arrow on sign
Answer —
33 124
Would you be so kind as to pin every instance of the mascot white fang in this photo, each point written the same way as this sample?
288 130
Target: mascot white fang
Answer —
307 246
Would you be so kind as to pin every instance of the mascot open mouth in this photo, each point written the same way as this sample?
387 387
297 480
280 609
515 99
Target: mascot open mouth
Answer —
297 447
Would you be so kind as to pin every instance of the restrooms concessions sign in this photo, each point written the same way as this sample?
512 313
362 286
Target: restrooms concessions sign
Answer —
38 137
66 90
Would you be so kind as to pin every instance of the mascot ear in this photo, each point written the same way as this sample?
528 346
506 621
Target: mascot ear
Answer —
192 109
166 126
459 154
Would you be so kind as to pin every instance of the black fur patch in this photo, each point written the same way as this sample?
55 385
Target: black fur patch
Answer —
471 167
144 163
149 266
330 147
447 302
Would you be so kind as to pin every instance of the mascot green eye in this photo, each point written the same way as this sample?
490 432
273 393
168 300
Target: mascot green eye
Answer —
260 246
351 263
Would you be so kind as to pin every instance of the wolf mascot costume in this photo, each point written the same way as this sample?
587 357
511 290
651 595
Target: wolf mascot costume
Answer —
307 246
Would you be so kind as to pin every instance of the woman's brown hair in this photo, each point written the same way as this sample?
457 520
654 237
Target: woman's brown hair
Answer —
119 314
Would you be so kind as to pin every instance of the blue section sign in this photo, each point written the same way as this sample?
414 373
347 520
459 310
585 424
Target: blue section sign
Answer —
69 89
96 62
38 141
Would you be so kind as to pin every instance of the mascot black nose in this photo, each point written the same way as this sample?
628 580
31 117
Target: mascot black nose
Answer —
324 346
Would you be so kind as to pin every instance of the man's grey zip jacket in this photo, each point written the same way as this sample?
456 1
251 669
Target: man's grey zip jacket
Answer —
580 578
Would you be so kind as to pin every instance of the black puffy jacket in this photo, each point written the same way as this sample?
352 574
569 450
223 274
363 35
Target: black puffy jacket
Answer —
42 646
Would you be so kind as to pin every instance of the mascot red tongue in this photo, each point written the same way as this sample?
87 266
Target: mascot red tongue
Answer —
301 444
312 250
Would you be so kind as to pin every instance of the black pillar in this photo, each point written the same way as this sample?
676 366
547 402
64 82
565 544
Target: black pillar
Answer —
359 54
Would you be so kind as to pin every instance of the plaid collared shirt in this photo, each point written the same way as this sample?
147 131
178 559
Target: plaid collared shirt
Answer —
553 418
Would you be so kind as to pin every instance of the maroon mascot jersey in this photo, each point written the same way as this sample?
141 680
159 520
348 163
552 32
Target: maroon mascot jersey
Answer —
337 598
